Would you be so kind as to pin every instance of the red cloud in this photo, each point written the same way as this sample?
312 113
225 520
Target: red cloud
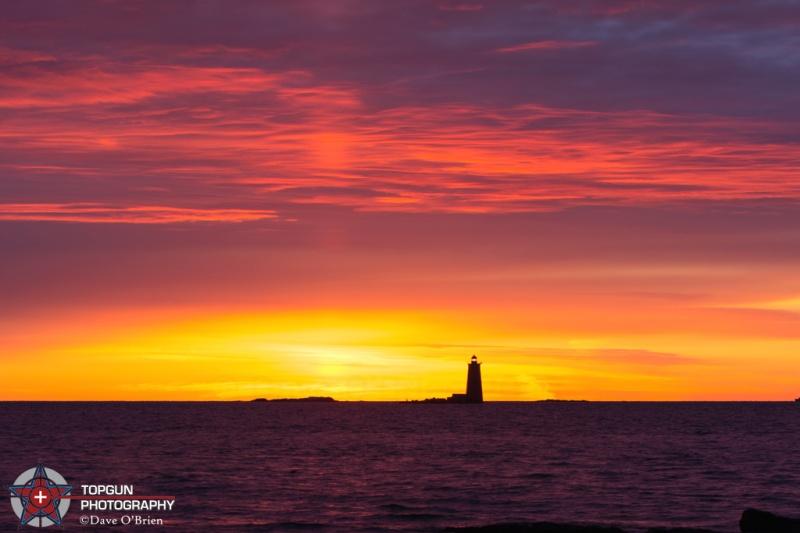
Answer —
135 215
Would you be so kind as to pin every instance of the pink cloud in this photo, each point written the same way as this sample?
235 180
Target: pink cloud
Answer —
25 87
461 7
546 45
9 56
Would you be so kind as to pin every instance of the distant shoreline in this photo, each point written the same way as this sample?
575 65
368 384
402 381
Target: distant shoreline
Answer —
302 400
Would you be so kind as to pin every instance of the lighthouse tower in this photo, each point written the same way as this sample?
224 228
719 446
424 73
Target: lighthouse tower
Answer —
474 387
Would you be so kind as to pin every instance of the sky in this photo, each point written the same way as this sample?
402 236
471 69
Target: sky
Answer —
231 199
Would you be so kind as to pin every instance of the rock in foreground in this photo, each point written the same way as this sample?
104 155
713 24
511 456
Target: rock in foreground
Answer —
755 521
536 527
752 521
679 530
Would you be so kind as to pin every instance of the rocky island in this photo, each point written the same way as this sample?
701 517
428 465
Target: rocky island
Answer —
323 399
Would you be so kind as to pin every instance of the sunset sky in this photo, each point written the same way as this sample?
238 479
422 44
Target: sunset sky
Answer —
230 199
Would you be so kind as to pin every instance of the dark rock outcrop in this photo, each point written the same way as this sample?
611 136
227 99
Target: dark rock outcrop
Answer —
755 521
679 530
494 528
536 527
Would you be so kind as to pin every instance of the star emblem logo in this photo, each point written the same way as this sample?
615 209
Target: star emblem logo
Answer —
40 497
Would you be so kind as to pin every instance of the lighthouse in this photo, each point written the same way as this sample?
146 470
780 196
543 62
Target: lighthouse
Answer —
474 387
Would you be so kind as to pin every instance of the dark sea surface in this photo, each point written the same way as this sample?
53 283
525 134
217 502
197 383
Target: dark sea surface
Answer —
356 467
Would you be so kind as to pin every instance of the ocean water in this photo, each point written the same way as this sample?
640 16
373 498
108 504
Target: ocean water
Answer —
357 467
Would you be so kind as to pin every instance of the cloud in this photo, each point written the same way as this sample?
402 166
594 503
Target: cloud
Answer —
615 356
327 110
87 83
545 45
10 57
282 138
460 7
129 215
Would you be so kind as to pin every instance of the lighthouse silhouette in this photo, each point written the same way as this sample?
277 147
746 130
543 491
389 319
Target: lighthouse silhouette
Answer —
474 386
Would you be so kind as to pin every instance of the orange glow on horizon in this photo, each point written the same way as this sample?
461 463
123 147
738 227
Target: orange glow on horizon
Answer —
382 355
